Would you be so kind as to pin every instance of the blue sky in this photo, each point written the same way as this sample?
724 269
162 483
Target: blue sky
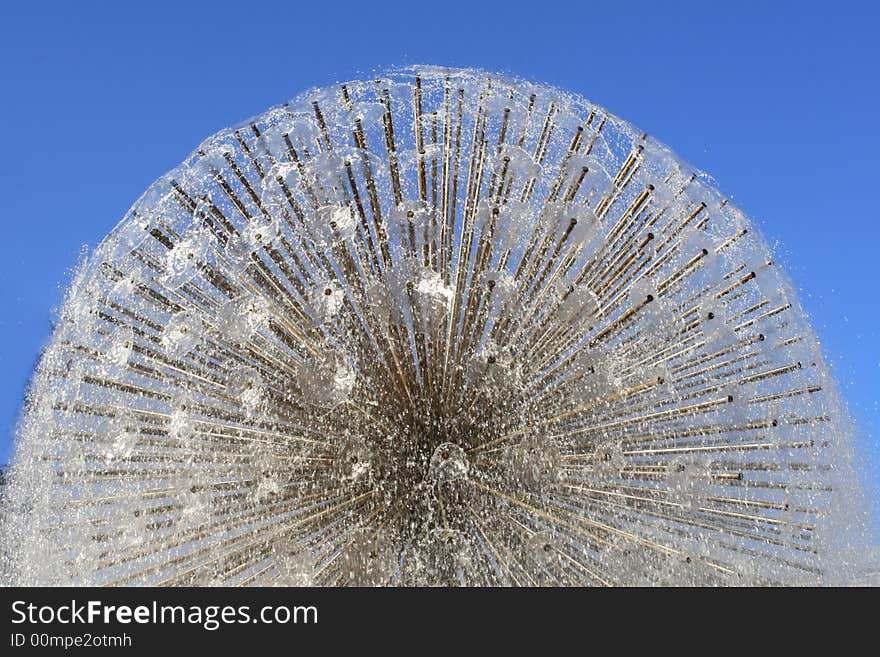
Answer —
777 100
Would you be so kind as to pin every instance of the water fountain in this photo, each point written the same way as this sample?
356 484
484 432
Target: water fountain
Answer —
441 327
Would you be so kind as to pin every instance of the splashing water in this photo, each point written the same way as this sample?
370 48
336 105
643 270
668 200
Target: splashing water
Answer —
441 327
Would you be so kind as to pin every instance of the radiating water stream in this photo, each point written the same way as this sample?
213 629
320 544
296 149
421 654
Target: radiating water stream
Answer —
442 327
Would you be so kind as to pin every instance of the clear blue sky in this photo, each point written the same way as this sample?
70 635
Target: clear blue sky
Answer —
779 101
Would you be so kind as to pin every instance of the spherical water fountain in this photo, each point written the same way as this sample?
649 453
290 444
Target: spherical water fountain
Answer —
442 327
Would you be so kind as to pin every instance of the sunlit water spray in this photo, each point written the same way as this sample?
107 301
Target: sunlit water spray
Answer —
441 327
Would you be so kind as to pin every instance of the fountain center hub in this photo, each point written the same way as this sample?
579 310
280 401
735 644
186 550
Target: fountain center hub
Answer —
449 462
